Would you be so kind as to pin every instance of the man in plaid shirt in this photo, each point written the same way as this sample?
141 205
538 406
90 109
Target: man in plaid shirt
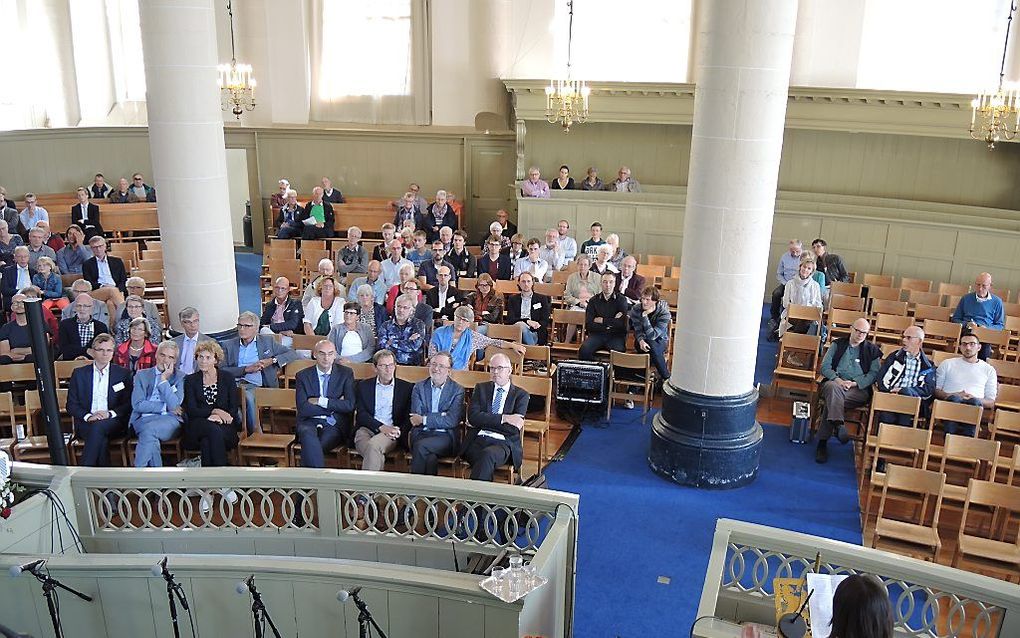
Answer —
909 372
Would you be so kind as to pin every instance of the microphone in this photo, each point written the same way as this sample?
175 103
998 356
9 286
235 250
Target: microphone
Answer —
344 594
245 585
794 625
159 568
16 570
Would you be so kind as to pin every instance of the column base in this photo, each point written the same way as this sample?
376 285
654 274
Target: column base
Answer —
707 442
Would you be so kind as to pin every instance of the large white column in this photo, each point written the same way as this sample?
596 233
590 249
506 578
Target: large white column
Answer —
189 166
706 434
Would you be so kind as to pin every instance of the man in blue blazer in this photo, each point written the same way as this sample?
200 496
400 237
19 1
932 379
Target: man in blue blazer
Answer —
156 405
99 399
437 406
325 401
382 414
283 314
495 422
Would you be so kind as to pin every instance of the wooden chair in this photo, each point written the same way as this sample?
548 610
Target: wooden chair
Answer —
938 356
412 374
674 272
63 369
1007 397
989 551
659 260
888 349
35 447
1007 372
538 428
918 285
951 301
889 328
505 332
846 302
886 402
272 439
846 288
553 291
651 272
797 312
997 339
894 445
877 280
305 342
956 290
915 297
1012 467
1005 428
883 294
561 319
918 535
8 411
291 369
966 458
887 307
362 370
940 335
1013 328
670 283
925 311
516 360
796 364
619 387
1011 309
839 323
538 361
942 411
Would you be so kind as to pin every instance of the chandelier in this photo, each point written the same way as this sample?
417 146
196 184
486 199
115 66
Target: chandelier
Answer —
566 99
237 85
996 116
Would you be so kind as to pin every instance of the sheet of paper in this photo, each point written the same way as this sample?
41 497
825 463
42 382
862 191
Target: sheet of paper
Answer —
824 586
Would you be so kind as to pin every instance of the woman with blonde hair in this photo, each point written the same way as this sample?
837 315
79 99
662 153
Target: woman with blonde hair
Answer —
212 417
325 309
138 352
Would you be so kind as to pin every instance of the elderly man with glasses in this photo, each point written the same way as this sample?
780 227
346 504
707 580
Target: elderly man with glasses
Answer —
495 421
404 335
139 191
850 368
907 372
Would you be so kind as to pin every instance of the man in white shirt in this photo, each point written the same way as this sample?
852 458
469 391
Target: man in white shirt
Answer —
32 212
552 252
391 267
532 262
99 399
567 243
189 339
382 412
966 379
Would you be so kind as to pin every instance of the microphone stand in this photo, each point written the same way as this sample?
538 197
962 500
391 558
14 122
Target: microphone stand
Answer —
49 587
259 613
174 590
365 620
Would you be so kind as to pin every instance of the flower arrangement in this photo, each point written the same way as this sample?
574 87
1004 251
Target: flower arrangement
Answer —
10 492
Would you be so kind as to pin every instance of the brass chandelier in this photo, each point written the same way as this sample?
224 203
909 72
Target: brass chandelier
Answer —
236 82
996 116
566 99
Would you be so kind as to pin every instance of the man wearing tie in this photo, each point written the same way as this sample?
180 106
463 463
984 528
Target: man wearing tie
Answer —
188 340
437 406
86 215
325 401
99 399
16 276
495 422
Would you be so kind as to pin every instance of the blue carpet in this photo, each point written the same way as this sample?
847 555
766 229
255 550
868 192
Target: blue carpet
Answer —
248 267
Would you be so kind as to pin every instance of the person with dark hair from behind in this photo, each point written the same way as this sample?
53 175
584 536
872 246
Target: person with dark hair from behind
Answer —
860 609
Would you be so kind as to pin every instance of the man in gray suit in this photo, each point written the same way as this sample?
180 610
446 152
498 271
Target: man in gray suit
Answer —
189 339
437 407
156 405
255 361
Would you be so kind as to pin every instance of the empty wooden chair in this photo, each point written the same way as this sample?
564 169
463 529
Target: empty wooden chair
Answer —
915 534
882 405
1005 428
998 340
1008 397
889 328
620 386
846 288
938 356
956 290
936 312
919 285
877 280
995 548
915 297
651 272
796 365
1007 372
940 335
966 458
659 260
946 413
894 445
839 323
846 302
558 336
274 435
536 425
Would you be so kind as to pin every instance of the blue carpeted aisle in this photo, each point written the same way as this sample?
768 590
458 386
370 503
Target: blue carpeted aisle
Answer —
636 527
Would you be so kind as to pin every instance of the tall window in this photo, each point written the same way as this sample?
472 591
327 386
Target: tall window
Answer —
366 48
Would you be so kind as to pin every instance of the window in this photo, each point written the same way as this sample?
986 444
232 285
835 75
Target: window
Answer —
366 48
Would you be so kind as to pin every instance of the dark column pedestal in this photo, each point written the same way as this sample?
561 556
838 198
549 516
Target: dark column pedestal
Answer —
707 442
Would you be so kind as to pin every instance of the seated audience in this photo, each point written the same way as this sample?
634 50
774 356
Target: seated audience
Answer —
189 339
964 379
406 236
602 263
592 181
430 269
907 372
419 253
591 246
212 416
407 209
405 275
325 403
850 368
464 263
649 319
283 314
5 201
16 276
86 215
628 283
404 335
254 360
801 290
277 199
122 194
107 275
79 287
373 278
495 232
8 242
391 267
583 278
486 303
76 332
353 339
530 311
288 220
317 217
446 236
136 286
981 308
563 182
32 212
444 298
372 314
534 186
829 264
156 405
382 414
103 415
352 257
516 250
15 340
419 201
495 422
74 253
789 265
325 269
139 351
438 214
51 239
12 221
382 250
461 341
506 227
99 189
48 280
324 310
140 191
330 194
495 263
533 263
624 183
552 253
37 247
437 407
422 311
605 321
568 245
135 307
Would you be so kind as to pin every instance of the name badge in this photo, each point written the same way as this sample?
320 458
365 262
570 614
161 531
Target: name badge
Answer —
462 273
118 387
536 306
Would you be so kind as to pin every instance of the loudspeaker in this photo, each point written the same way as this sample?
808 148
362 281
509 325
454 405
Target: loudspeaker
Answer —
582 382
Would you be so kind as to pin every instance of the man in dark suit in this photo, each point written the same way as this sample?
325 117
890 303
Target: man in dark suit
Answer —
330 194
530 311
107 275
76 333
283 314
99 399
443 298
16 276
86 215
317 217
325 401
495 422
382 416
494 262
629 283
437 406
439 214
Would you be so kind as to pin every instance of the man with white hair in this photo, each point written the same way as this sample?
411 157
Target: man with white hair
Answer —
99 310
51 239
391 267
624 183
552 252
283 314
495 421
77 331
288 222
37 247
373 278
330 194
317 217
535 186
136 286
325 269
352 257
280 196
156 413
254 360
439 214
